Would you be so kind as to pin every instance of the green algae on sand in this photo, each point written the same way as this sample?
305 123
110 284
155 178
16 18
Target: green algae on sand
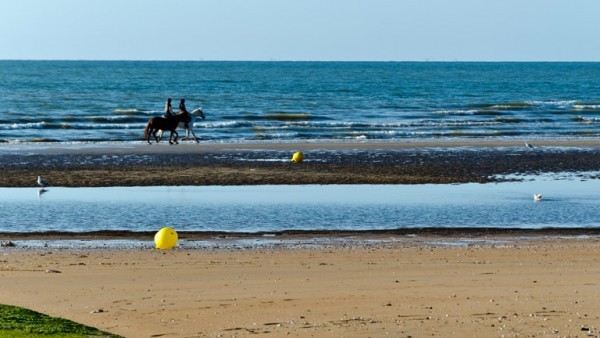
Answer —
19 322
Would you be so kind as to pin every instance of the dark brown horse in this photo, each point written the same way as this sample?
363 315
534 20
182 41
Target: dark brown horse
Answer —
165 123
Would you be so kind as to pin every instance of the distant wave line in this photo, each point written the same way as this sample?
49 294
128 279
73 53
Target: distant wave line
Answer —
91 126
300 124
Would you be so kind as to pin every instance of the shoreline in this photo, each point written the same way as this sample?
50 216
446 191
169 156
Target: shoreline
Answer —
460 232
187 146
295 240
443 162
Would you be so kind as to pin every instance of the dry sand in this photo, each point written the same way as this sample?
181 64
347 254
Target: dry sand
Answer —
543 287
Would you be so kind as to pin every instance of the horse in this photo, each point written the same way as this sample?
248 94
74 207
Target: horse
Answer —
164 123
187 123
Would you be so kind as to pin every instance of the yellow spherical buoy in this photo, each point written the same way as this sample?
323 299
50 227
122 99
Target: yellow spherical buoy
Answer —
297 157
165 238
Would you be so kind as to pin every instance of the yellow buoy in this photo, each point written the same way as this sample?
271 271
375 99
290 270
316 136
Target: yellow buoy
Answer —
165 238
298 157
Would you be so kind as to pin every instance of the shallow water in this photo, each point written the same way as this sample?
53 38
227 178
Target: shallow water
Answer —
566 203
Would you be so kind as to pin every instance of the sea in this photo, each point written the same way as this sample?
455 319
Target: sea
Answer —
111 101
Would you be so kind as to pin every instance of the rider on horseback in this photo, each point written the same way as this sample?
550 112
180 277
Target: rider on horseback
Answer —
169 122
168 109
182 108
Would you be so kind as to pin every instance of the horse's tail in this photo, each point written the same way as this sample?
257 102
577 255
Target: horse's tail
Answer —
147 130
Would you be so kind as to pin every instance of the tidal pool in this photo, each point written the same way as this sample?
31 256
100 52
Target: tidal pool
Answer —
566 203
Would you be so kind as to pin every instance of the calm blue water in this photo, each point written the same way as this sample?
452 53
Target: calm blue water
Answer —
309 207
111 101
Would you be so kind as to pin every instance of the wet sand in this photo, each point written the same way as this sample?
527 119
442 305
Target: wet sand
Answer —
310 235
411 162
543 286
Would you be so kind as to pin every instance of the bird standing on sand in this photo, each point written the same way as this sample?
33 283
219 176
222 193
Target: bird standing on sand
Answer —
42 182
537 197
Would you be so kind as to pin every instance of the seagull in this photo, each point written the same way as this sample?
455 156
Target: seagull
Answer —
42 182
537 197
529 145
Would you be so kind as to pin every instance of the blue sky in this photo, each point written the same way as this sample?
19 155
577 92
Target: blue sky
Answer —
380 30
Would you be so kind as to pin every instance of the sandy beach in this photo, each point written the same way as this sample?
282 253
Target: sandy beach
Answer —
437 282
406 162
503 286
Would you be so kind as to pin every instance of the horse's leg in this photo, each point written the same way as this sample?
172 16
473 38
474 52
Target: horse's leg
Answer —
176 135
156 137
147 131
194 135
171 137
151 134
185 126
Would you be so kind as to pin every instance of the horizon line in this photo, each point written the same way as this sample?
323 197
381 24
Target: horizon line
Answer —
304 60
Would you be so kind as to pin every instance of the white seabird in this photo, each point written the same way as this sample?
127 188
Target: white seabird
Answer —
537 197
529 145
42 182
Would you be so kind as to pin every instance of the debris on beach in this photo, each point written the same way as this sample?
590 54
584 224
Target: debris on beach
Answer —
53 271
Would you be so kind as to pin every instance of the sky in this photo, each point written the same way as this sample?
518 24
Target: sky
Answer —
344 30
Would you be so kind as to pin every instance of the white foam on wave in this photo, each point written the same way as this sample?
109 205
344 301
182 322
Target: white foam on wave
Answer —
106 125
109 117
126 110
456 112
383 132
29 125
368 125
453 123
504 106
221 124
556 103
587 120
67 125
586 106
278 135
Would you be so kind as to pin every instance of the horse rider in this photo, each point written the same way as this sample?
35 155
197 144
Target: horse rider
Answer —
182 108
168 109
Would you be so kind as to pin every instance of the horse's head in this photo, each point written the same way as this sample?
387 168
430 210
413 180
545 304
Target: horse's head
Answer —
198 111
